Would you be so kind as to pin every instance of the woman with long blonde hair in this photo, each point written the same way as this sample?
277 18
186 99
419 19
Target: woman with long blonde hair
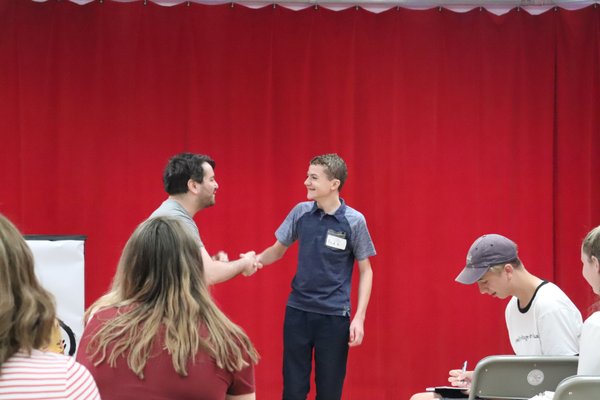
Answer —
158 333
27 318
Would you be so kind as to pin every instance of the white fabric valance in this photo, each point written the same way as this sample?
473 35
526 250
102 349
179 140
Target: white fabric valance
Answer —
497 7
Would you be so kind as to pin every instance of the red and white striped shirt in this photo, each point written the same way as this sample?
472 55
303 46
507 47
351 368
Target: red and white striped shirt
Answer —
45 376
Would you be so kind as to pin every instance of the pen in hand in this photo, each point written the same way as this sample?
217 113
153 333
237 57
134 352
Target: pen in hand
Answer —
464 369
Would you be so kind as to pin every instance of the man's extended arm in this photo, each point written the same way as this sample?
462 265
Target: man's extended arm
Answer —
219 271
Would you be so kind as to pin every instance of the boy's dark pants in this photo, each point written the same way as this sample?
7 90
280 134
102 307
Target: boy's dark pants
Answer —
328 335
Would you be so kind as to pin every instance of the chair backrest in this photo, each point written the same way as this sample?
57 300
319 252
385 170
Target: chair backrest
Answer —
578 387
519 377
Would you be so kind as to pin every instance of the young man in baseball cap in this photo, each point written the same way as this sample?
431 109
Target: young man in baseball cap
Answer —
540 318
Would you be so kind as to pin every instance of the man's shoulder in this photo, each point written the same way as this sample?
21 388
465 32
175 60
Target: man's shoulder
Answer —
166 205
550 296
169 208
550 292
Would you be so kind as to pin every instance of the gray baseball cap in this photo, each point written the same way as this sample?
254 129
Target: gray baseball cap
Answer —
487 251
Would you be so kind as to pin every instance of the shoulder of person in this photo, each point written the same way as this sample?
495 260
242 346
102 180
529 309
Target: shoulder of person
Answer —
354 211
551 293
593 320
303 207
355 217
50 357
551 299
108 312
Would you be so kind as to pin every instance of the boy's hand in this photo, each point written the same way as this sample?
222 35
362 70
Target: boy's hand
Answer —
357 332
460 379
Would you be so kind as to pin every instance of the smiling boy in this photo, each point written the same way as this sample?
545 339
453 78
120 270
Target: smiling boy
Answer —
331 236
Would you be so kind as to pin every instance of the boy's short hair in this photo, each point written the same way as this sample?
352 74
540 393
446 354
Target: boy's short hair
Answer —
517 264
335 167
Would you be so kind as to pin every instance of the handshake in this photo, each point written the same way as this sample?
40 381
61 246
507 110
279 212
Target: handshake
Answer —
249 260
253 264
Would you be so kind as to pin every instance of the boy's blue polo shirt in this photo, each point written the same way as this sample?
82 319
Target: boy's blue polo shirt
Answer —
323 278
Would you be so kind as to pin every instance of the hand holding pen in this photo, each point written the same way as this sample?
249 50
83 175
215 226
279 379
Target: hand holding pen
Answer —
461 377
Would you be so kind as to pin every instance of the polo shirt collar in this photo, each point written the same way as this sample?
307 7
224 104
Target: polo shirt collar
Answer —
339 213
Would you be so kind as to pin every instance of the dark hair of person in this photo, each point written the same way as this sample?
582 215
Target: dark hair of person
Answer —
183 167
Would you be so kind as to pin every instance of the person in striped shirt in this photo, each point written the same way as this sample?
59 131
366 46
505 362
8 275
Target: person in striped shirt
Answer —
27 317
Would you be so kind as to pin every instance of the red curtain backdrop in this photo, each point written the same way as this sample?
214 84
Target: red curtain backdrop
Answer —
453 125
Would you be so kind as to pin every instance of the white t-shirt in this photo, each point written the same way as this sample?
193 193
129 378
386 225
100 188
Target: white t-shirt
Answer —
589 347
45 375
549 325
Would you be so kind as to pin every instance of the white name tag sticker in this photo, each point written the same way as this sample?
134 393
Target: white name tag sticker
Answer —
335 242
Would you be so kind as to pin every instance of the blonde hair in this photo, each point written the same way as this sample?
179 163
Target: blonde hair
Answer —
516 264
160 283
591 243
27 311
